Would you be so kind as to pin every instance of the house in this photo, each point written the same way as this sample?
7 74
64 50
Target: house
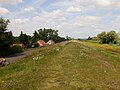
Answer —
41 43
50 42
19 44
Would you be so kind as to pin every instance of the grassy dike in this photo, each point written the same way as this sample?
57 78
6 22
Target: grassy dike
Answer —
71 66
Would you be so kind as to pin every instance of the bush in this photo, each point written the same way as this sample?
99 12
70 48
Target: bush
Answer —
35 45
5 52
16 49
108 38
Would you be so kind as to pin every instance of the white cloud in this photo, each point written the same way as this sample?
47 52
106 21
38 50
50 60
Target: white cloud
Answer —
117 19
76 18
38 2
88 21
104 3
3 11
20 24
29 9
99 3
54 14
73 9
19 21
116 23
50 17
10 1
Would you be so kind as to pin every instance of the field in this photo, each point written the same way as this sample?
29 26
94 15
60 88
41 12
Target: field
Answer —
65 66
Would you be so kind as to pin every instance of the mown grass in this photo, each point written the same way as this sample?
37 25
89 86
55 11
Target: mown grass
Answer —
75 66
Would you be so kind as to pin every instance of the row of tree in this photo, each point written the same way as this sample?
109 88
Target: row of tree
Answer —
7 39
106 38
41 34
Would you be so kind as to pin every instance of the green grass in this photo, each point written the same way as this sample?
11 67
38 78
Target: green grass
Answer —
73 66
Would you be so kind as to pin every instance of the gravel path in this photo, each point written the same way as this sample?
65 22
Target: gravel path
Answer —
13 58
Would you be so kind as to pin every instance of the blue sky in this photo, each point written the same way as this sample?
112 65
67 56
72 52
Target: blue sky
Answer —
74 18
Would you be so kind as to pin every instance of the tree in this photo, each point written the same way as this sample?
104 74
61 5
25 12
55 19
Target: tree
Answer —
89 38
24 38
47 34
112 37
35 37
102 37
68 38
108 38
6 38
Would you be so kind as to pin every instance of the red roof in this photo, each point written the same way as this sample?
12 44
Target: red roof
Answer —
41 43
19 44
51 42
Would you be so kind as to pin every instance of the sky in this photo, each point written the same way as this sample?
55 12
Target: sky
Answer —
74 18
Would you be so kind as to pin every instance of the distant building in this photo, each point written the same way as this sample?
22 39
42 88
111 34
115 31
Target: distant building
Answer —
41 43
50 42
19 44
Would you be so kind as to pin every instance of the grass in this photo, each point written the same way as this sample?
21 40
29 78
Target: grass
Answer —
72 66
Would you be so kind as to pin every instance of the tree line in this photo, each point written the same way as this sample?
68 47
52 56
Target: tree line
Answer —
7 39
41 34
106 38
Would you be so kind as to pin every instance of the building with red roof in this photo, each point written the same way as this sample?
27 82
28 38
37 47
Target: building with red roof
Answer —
19 44
50 42
41 43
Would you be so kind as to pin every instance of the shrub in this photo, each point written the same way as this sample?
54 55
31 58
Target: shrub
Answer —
16 49
36 45
108 38
5 52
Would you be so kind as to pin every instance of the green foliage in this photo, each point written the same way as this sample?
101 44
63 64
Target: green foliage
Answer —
36 45
6 38
35 37
112 37
90 38
16 49
102 37
108 38
47 34
24 38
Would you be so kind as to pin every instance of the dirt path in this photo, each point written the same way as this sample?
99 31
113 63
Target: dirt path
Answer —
13 58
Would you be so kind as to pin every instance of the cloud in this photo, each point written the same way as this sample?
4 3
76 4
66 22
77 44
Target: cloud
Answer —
88 21
50 17
19 21
117 19
80 26
116 23
75 18
73 9
3 11
39 2
99 3
104 3
10 1
20 24
29 9
54 14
